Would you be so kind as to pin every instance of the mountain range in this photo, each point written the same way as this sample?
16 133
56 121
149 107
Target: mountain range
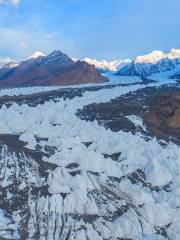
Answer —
54 69
152 63
113 66
142 66
58 69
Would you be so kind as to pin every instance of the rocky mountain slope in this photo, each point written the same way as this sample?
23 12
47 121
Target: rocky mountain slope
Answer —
155 62
55 69
164 115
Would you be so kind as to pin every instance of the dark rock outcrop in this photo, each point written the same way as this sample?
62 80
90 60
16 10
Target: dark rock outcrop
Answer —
164 114
159 109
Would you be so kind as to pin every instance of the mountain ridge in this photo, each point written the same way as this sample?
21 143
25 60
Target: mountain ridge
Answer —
113 65
11 74
155 62
56 69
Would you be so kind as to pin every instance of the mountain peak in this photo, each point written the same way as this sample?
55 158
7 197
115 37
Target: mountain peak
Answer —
10 65
174 53
154 62
4 61
153 57
60 57
56 53
107 65
55 69
37 54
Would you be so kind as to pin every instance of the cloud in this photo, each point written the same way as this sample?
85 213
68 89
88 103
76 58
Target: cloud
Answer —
23 45
12 2
19 43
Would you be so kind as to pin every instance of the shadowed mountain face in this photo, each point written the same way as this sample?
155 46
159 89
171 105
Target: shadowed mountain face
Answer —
155 62
147 69
176 75
55 69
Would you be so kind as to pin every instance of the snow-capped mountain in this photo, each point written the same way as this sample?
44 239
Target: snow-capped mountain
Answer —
10 65
5 60
36 54
156 56
155 62
114 65
54 69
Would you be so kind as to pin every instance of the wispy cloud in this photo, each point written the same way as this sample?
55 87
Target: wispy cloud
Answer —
12 2
19 43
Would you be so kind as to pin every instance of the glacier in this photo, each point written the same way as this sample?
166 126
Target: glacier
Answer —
72 191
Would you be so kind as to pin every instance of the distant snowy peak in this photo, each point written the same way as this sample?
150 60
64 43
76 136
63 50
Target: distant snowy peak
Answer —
10 65
156 56
155 62
36 54
153 57
4 61
107 65
74 59
174 53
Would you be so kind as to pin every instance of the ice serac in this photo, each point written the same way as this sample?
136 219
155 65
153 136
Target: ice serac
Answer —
56 69
63 178
152 63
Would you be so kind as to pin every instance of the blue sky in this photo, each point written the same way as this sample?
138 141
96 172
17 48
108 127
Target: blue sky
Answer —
102 29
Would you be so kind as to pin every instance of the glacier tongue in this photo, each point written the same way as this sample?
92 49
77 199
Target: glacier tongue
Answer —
76 193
